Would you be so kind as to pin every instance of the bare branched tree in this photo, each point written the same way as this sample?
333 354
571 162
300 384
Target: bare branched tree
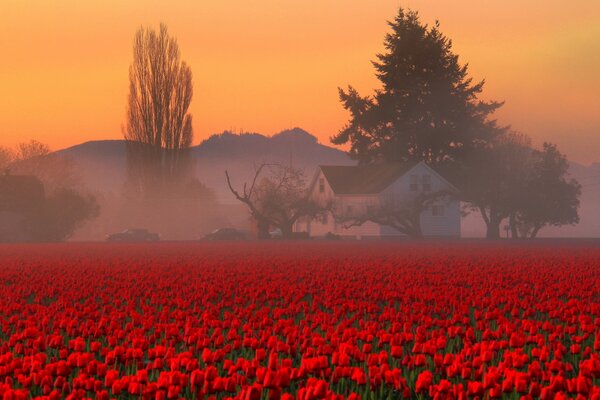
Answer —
55 170
7 156
31 150
277 198
247 197
403 214
159 128
49 198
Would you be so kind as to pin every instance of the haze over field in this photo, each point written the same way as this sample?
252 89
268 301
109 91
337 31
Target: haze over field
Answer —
266 65
102 165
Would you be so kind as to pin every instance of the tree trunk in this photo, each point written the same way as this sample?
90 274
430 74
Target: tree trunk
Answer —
412 227
416 232
493 228
535 231
287 230
263 229
514 233
492 223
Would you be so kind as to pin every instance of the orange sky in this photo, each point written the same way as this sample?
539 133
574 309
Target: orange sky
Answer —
267 65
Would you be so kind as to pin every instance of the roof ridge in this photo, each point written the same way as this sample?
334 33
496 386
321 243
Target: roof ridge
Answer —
363 178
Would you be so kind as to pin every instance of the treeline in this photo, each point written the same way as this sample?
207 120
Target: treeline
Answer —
41 197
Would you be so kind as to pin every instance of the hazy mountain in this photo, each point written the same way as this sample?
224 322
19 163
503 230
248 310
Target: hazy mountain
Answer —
240 154
102 164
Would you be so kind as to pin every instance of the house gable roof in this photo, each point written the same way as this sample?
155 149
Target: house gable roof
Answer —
363 179
369 179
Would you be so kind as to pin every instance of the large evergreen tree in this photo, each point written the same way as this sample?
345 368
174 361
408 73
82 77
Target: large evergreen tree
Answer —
427 108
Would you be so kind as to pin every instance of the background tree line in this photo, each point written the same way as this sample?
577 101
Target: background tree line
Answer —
41 195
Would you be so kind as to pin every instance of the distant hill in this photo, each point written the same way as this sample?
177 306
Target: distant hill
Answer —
102 164
239 154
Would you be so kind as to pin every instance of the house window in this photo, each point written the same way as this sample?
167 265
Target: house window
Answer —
321 185
349 210
370 209
325 219
414 183
437 210
426 183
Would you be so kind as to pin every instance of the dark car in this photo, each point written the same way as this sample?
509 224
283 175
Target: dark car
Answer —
225 234
133 235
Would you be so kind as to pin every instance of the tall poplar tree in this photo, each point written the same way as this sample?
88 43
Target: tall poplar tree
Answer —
159 128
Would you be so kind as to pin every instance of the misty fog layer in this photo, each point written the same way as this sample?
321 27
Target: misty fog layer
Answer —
103 169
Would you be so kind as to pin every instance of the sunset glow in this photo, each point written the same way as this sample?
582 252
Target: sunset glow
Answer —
267 65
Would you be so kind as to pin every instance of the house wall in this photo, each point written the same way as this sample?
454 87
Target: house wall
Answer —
447 224
316 227
357 204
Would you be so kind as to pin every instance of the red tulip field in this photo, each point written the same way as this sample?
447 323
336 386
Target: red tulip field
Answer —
300 320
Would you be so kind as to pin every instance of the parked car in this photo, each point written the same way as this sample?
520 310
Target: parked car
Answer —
331 236
276 233
133 235
225 234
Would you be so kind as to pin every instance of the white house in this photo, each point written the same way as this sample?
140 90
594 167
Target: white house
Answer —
356 189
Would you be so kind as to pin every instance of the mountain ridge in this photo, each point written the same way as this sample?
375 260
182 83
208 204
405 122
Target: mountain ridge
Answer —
102 163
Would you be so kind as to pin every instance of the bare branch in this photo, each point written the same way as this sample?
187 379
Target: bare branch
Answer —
278 199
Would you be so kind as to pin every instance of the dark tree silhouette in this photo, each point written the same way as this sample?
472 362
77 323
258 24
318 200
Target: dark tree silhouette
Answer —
61 214
38 216
159 128
498 174
277 198
56 171
549 197
511 180
247 196
427 108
